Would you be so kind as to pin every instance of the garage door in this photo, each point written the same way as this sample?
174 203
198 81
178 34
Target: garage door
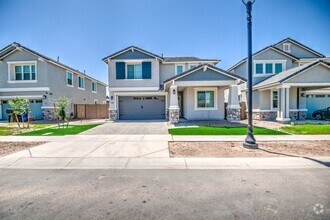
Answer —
315 102
141 108
35 108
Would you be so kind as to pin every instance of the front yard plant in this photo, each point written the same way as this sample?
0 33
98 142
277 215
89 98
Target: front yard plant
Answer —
307 129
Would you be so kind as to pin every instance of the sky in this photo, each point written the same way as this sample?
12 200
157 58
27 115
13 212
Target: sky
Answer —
82 32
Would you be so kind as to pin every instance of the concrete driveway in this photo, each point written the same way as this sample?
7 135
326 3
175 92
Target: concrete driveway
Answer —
130 127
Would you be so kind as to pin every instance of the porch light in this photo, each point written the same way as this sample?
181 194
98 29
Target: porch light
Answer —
174 91
250 141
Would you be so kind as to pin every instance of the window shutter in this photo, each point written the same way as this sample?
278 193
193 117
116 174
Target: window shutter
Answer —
120 70
146 70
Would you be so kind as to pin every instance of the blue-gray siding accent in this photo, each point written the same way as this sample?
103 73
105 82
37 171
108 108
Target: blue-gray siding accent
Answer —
129 55
208 75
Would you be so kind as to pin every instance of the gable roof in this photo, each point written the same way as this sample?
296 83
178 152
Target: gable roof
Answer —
16 46
300 45
288 74
208 66
189 59
263 50
105 59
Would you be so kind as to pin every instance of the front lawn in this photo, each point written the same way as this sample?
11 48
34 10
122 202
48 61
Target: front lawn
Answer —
12 128
208 130
307 129
55 131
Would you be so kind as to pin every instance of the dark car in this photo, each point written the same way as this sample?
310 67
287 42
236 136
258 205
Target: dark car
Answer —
322 114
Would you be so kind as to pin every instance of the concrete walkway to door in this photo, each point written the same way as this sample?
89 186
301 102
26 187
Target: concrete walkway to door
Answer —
130 127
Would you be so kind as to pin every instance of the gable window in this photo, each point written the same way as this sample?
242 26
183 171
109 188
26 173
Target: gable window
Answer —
134 71
69 78
192 66
265 68
287 47
179 68
259 68
205 99
25 72
274 99
81 82
94 87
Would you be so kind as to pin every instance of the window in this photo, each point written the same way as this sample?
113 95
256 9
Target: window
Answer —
81 82
94 87
275 99
269 68
205 99
69 79
179 69
287 47
25 72
278 67
192 66
259 68
134 71
264 68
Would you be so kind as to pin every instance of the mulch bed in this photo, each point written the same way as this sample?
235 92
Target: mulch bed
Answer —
12 147
235 149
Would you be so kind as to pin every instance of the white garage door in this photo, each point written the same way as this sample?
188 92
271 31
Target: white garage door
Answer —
315 102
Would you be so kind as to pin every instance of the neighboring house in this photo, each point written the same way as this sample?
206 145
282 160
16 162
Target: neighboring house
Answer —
27 74
143 85
290 81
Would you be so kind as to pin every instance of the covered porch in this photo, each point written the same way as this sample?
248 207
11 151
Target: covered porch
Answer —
199 94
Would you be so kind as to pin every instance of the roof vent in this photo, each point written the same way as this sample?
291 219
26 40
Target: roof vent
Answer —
58 59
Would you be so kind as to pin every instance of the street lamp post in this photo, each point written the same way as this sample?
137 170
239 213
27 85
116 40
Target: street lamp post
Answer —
250 141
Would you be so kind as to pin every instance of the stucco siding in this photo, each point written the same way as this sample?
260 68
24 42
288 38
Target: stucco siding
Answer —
190 113
166 71
265 100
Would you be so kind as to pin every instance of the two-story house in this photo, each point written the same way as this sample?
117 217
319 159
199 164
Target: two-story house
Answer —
290 81
28 74
143 85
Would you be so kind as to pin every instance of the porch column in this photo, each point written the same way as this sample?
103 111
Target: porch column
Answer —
1 109
283 113
233 107
174 109
113 111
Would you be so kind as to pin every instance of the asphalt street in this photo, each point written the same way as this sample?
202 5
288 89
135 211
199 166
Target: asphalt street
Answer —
165 194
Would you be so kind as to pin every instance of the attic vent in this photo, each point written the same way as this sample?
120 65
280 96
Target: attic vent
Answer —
287 47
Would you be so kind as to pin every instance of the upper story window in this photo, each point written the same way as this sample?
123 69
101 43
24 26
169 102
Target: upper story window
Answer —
69 79
179 68
287 47
134 71
25 72
81 82
94 87
192 66
268 67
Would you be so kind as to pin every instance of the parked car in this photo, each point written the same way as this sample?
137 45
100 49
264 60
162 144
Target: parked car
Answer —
322 114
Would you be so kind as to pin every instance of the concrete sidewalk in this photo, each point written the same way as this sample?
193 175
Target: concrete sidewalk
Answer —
162 163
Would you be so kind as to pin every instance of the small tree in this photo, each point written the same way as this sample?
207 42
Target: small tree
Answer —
20 107
62 110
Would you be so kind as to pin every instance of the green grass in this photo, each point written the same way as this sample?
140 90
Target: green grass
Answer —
55 131
12 128
307 129
207 130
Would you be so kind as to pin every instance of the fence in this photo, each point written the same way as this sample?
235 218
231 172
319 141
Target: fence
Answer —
91 111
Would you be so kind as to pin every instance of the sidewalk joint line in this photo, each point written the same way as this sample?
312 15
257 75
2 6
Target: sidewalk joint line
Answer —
95 149
152 152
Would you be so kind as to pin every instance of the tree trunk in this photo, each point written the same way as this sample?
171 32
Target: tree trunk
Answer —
19 126
28 122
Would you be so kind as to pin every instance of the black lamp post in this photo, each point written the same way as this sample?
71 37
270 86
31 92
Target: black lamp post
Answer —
250 141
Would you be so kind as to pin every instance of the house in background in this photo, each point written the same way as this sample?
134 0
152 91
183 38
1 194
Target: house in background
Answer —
28 74
143 85
290 81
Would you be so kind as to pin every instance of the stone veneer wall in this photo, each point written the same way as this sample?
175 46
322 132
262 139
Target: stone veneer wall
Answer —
113 115
174 116
264 115
294 115
233 114
48 114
